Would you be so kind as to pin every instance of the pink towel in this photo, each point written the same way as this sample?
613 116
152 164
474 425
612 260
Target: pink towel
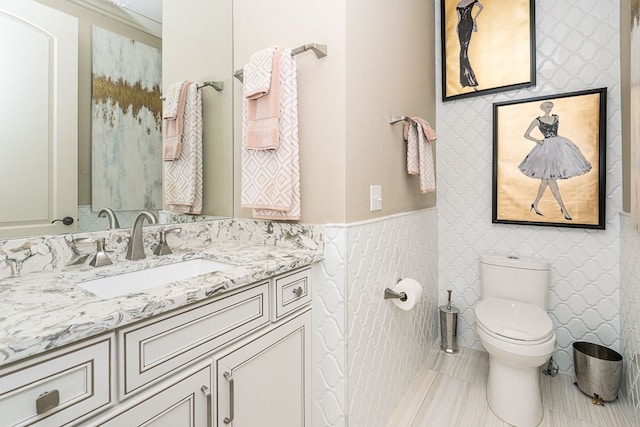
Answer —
419 138
174 120
263 111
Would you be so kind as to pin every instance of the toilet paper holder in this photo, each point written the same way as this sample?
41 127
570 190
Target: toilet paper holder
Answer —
391 294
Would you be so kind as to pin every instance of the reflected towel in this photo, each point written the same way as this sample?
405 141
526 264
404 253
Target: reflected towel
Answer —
271 178
183 177
173 119
419 139
263 107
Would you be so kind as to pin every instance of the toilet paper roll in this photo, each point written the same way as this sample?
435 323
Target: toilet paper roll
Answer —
412 288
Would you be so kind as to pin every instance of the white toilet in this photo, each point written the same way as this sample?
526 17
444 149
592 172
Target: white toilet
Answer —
514 328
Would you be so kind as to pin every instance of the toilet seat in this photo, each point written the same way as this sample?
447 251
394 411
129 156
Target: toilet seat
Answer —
514 322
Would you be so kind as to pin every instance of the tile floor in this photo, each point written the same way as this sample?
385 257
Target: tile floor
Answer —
451 392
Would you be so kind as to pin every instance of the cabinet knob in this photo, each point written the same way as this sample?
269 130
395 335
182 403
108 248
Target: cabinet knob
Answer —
47 401
298 291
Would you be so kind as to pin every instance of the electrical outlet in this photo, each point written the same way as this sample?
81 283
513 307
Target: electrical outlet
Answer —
375 197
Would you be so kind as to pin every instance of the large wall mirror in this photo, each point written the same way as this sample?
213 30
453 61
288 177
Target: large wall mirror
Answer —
181 60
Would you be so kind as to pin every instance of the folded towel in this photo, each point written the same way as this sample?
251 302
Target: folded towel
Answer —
271 178
419 138
257 73
263 110
183 177
173 120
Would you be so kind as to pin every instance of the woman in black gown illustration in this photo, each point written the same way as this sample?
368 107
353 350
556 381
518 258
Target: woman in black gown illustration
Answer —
466 26
553 157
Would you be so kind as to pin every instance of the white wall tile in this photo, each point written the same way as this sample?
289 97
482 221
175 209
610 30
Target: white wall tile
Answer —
366 349
572 55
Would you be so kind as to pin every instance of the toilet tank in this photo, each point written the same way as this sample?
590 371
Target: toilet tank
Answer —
514 278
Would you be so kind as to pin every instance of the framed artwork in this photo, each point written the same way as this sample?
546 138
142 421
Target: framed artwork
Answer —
488 46
549 160
126 123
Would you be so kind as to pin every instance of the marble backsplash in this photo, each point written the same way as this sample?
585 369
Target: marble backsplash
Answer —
56 253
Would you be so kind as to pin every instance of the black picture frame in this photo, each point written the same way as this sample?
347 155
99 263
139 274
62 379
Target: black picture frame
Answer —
544 180
499 56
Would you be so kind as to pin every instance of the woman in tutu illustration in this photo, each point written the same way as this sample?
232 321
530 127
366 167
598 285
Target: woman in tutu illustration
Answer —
553 157
466 26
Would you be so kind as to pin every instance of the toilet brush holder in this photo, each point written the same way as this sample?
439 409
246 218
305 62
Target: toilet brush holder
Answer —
449 327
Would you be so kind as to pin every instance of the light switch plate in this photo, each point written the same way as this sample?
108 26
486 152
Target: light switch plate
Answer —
375 197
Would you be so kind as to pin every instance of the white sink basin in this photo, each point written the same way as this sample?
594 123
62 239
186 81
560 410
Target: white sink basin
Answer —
136 281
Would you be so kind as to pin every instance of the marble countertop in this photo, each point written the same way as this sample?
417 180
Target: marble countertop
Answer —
43 311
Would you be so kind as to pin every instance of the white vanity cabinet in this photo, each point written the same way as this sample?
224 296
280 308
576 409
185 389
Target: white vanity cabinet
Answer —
242 358
61 387
266 380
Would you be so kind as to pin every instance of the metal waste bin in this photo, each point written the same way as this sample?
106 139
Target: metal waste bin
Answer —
598 370
449 329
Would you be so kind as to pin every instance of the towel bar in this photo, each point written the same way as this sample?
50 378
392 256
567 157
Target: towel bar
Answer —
219 86
395 119
319 49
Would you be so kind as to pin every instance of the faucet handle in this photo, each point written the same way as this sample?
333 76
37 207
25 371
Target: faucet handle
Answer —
163 247
100 258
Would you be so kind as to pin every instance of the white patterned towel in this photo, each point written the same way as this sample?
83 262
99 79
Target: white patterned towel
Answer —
257 73
419 137
183 177
271 178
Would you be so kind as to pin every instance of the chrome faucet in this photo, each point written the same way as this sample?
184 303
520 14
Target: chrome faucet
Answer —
135 249
113 220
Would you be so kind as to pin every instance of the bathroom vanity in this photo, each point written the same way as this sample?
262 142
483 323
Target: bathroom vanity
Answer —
226 348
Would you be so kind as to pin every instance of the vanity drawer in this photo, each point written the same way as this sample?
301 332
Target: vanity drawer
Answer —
151 349
59 388
292 291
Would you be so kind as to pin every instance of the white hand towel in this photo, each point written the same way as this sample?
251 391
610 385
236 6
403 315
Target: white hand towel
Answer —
257 73
271 178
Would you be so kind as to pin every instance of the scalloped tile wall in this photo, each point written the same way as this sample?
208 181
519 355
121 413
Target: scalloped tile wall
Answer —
578 46
366 350
630 315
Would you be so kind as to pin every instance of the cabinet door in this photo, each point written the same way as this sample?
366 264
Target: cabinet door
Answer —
184 402
267 381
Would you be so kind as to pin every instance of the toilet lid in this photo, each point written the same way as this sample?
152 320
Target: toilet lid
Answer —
513 319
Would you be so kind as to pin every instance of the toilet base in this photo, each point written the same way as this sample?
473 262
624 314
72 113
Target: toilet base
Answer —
513 394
